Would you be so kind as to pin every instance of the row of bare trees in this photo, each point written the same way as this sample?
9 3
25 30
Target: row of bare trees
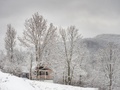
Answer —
40 36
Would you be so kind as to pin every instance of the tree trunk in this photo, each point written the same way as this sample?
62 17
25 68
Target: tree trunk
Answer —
110 77
69 78
37 70
30 75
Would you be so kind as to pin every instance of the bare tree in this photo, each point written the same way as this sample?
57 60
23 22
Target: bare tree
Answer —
2 59
20 58
31 61
109 58
82 61
69 37
38 35
10 43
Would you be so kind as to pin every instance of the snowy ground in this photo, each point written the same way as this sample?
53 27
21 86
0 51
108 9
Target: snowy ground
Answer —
10 82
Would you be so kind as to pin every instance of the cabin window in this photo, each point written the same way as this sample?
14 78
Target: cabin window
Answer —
43 73
46 73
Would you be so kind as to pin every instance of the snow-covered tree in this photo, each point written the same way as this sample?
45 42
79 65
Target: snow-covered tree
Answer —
37 34
109 66
20 61
10 42
82 59
9 46
69 37
2 59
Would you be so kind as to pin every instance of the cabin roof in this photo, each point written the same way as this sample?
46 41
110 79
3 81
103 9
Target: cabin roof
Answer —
43 68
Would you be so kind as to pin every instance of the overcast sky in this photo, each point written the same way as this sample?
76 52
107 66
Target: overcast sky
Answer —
91 17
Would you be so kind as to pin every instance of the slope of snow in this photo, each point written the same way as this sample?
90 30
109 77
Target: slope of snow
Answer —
10 82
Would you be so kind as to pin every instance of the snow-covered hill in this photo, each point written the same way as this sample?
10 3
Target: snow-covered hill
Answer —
100 41
115 38
10 82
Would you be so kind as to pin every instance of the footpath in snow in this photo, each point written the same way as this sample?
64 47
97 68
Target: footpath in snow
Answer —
10 82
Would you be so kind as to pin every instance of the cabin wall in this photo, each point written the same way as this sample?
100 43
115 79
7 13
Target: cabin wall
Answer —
43 77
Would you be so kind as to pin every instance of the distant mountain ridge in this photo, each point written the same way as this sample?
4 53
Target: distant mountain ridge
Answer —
100 41
109 38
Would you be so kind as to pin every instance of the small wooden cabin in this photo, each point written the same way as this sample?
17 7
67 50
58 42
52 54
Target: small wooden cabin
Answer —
42 73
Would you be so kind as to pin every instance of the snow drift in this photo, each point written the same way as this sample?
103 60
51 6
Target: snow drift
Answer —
10 82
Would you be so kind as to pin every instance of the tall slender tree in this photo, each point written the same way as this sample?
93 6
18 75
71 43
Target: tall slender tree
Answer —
10 44
10 41
109 60
69 38
38 35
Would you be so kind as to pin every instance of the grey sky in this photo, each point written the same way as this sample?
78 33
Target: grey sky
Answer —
91 17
